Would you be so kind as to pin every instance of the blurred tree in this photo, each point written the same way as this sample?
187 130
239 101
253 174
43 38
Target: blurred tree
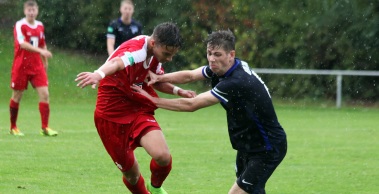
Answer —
306 34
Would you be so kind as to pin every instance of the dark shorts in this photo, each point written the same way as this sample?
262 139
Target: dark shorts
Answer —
120 140
254 169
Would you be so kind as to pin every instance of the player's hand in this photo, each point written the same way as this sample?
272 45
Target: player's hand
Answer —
88 78
138 89
46 53
187 93
154 78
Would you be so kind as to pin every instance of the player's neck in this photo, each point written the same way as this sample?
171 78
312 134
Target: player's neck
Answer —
126 21
149 48
30 21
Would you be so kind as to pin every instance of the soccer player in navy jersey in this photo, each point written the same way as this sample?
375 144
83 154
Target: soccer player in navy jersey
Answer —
125 120
123 28
254 129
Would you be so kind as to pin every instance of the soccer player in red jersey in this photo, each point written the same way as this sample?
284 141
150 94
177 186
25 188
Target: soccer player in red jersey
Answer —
125 120
30 64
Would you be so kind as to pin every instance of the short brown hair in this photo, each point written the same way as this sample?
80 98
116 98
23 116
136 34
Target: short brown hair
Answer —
128 2
224 39
30 3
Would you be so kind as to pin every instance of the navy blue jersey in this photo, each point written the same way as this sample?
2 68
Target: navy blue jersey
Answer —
121 32
252 122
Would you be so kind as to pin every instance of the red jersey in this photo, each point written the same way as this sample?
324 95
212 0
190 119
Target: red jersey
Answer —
115 100
24 60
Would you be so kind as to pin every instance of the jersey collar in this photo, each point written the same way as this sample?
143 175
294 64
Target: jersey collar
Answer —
235 65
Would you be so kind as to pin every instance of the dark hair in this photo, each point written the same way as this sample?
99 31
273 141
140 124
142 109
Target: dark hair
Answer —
221 39
168 34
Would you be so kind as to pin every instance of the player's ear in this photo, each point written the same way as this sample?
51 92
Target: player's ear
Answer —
152 42
232 53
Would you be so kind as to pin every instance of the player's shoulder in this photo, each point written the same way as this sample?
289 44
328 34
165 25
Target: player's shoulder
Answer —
38 23
140 39
135 22
21 22
137 43
114 22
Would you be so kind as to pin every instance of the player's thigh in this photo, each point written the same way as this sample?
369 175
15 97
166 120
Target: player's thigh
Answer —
256 171
148 134
155 144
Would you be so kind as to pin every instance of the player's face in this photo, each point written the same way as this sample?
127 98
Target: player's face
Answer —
164 53
219 60
31 13
126 10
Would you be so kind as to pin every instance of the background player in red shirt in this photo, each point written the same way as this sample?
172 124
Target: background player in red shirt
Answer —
122 28
30 64
125 120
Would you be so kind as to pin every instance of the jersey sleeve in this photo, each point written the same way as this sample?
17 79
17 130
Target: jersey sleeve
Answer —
111 30
207 72
131 58
42 41
223 91
18 33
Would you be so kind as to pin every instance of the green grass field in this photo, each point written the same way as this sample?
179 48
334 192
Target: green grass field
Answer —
329 150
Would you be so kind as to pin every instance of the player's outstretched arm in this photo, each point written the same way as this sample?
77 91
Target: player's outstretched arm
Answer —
181 104
179 77
108 68
168 88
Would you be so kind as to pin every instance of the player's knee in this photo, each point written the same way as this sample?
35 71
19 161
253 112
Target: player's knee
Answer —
44 97
17 95
163 158
132 178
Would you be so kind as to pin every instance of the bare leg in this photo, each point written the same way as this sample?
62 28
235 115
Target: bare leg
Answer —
236 190
17 95
156 146
161 163
43 93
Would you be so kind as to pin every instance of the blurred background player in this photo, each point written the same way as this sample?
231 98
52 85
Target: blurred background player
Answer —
30 64
123 28
125 120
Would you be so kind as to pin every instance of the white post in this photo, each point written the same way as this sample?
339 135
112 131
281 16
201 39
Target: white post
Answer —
339 91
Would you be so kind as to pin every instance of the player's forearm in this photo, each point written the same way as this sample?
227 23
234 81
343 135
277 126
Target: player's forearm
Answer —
164 87
179 104
110 45
27 46
44 61
179 77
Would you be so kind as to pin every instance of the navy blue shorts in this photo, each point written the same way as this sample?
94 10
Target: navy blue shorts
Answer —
254 169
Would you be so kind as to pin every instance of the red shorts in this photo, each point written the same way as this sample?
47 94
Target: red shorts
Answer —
120 140
19 80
